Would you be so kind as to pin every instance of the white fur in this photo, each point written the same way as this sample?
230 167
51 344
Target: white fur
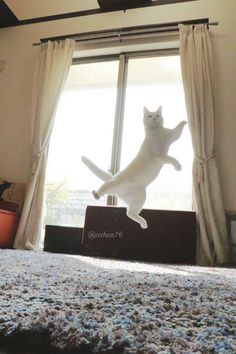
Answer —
130 184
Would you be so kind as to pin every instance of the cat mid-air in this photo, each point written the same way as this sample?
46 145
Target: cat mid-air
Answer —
130 184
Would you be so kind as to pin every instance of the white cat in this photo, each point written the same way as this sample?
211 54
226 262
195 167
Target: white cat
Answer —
130 184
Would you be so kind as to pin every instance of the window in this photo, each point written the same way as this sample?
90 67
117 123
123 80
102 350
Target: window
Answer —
100 116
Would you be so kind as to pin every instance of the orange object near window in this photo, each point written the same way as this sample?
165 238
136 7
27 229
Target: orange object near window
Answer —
8 225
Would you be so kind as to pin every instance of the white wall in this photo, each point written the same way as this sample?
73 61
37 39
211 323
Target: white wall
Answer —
17 79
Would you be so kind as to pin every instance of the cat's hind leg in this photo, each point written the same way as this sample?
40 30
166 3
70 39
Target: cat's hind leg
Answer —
109 187
135 206
132 213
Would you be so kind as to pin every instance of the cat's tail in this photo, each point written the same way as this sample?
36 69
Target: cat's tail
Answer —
104 176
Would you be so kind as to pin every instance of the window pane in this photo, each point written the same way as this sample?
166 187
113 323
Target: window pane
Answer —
153 82
83 126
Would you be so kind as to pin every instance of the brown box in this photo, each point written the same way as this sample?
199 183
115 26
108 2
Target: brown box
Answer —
169 238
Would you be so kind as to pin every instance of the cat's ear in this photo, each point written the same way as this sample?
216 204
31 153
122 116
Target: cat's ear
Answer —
145 110
159 110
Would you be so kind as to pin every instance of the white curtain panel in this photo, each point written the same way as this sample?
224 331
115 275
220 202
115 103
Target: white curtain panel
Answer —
53 64
196 62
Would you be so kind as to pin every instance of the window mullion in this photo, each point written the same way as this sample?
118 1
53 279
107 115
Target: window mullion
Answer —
119 120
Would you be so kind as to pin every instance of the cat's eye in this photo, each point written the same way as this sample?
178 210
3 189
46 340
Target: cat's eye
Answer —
149 116
157 115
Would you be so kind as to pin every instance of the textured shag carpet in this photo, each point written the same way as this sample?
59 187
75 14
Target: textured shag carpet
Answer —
87 305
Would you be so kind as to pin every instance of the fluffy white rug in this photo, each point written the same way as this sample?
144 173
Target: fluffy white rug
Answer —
87 305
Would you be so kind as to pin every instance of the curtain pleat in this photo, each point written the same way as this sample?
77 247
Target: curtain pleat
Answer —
53 64
196 63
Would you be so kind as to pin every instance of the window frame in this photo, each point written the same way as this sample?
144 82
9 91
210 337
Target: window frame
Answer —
118 119
120 98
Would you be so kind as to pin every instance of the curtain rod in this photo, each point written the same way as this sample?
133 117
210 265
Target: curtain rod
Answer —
127 32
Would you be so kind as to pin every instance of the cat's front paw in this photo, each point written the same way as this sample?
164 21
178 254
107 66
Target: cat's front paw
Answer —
177 166
183 123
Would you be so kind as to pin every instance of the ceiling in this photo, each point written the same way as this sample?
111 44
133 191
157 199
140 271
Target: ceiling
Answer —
20 12
26 9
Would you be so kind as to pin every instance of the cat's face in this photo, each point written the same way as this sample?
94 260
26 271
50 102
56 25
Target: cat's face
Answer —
152 119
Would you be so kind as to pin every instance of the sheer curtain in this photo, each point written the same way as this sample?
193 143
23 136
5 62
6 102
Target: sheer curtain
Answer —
53 64
195 54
